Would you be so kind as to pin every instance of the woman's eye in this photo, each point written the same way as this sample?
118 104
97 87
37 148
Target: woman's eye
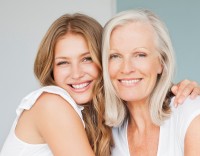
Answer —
87 59
62 63
114 56
141 55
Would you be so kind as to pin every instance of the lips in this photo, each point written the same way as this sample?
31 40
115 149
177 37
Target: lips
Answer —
80 86
129 82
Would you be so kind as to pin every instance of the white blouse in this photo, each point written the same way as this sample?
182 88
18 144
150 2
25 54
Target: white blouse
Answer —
172 132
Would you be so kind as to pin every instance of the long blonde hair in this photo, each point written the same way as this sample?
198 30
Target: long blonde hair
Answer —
98 133
115 108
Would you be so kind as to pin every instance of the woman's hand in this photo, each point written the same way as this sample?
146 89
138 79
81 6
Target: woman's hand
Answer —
184 89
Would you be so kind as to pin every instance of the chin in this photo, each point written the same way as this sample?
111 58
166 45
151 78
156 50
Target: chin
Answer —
127 97
131 98
83 101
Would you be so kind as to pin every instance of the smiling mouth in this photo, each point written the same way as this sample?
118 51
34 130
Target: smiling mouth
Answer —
80 86
130 82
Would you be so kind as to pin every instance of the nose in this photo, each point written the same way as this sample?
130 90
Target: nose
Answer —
127 66
76 72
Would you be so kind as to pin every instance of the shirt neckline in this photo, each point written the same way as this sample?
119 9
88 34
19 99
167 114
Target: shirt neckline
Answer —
126 136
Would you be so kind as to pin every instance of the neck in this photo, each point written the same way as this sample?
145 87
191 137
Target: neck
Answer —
140 118
141 130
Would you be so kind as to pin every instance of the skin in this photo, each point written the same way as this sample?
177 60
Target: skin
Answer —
192 138
74 69
131 71
181 93
134 66
75 72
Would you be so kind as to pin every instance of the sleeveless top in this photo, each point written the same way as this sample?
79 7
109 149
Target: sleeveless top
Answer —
13 146
172 131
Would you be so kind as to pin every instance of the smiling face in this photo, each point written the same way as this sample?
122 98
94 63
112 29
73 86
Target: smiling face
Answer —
134 63
73 67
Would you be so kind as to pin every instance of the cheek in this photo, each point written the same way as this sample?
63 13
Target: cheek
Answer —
92 70
152 73
149 66
156 67
113 69
60 74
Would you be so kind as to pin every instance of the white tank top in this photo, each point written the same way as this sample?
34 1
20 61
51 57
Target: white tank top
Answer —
13 146
172 132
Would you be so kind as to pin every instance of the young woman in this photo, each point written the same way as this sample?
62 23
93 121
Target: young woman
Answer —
53 119
138 66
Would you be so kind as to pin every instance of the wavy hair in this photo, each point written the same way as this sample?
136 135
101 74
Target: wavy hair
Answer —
115 108
98 133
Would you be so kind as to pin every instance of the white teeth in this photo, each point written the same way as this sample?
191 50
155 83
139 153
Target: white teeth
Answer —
130 81
80 86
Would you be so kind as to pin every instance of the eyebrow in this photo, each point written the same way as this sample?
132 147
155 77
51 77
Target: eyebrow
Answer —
83 54
138 48
141 48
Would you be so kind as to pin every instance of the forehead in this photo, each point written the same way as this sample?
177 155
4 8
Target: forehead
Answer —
71 39
134 34
71 44
71 35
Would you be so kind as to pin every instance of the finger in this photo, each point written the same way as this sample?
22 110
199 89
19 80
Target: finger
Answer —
181 87
183 82
189 88
195 93
174 89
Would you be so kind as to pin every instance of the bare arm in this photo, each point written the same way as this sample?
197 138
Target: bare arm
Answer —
192 138
61 127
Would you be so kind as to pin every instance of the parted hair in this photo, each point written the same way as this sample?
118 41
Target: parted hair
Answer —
115 108
98 133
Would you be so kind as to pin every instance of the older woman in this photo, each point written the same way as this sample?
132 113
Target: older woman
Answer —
138 66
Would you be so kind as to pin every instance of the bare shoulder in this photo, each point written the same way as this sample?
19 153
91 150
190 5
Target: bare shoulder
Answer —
48 110
51 107
192 138
60 126
53 121
48 101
